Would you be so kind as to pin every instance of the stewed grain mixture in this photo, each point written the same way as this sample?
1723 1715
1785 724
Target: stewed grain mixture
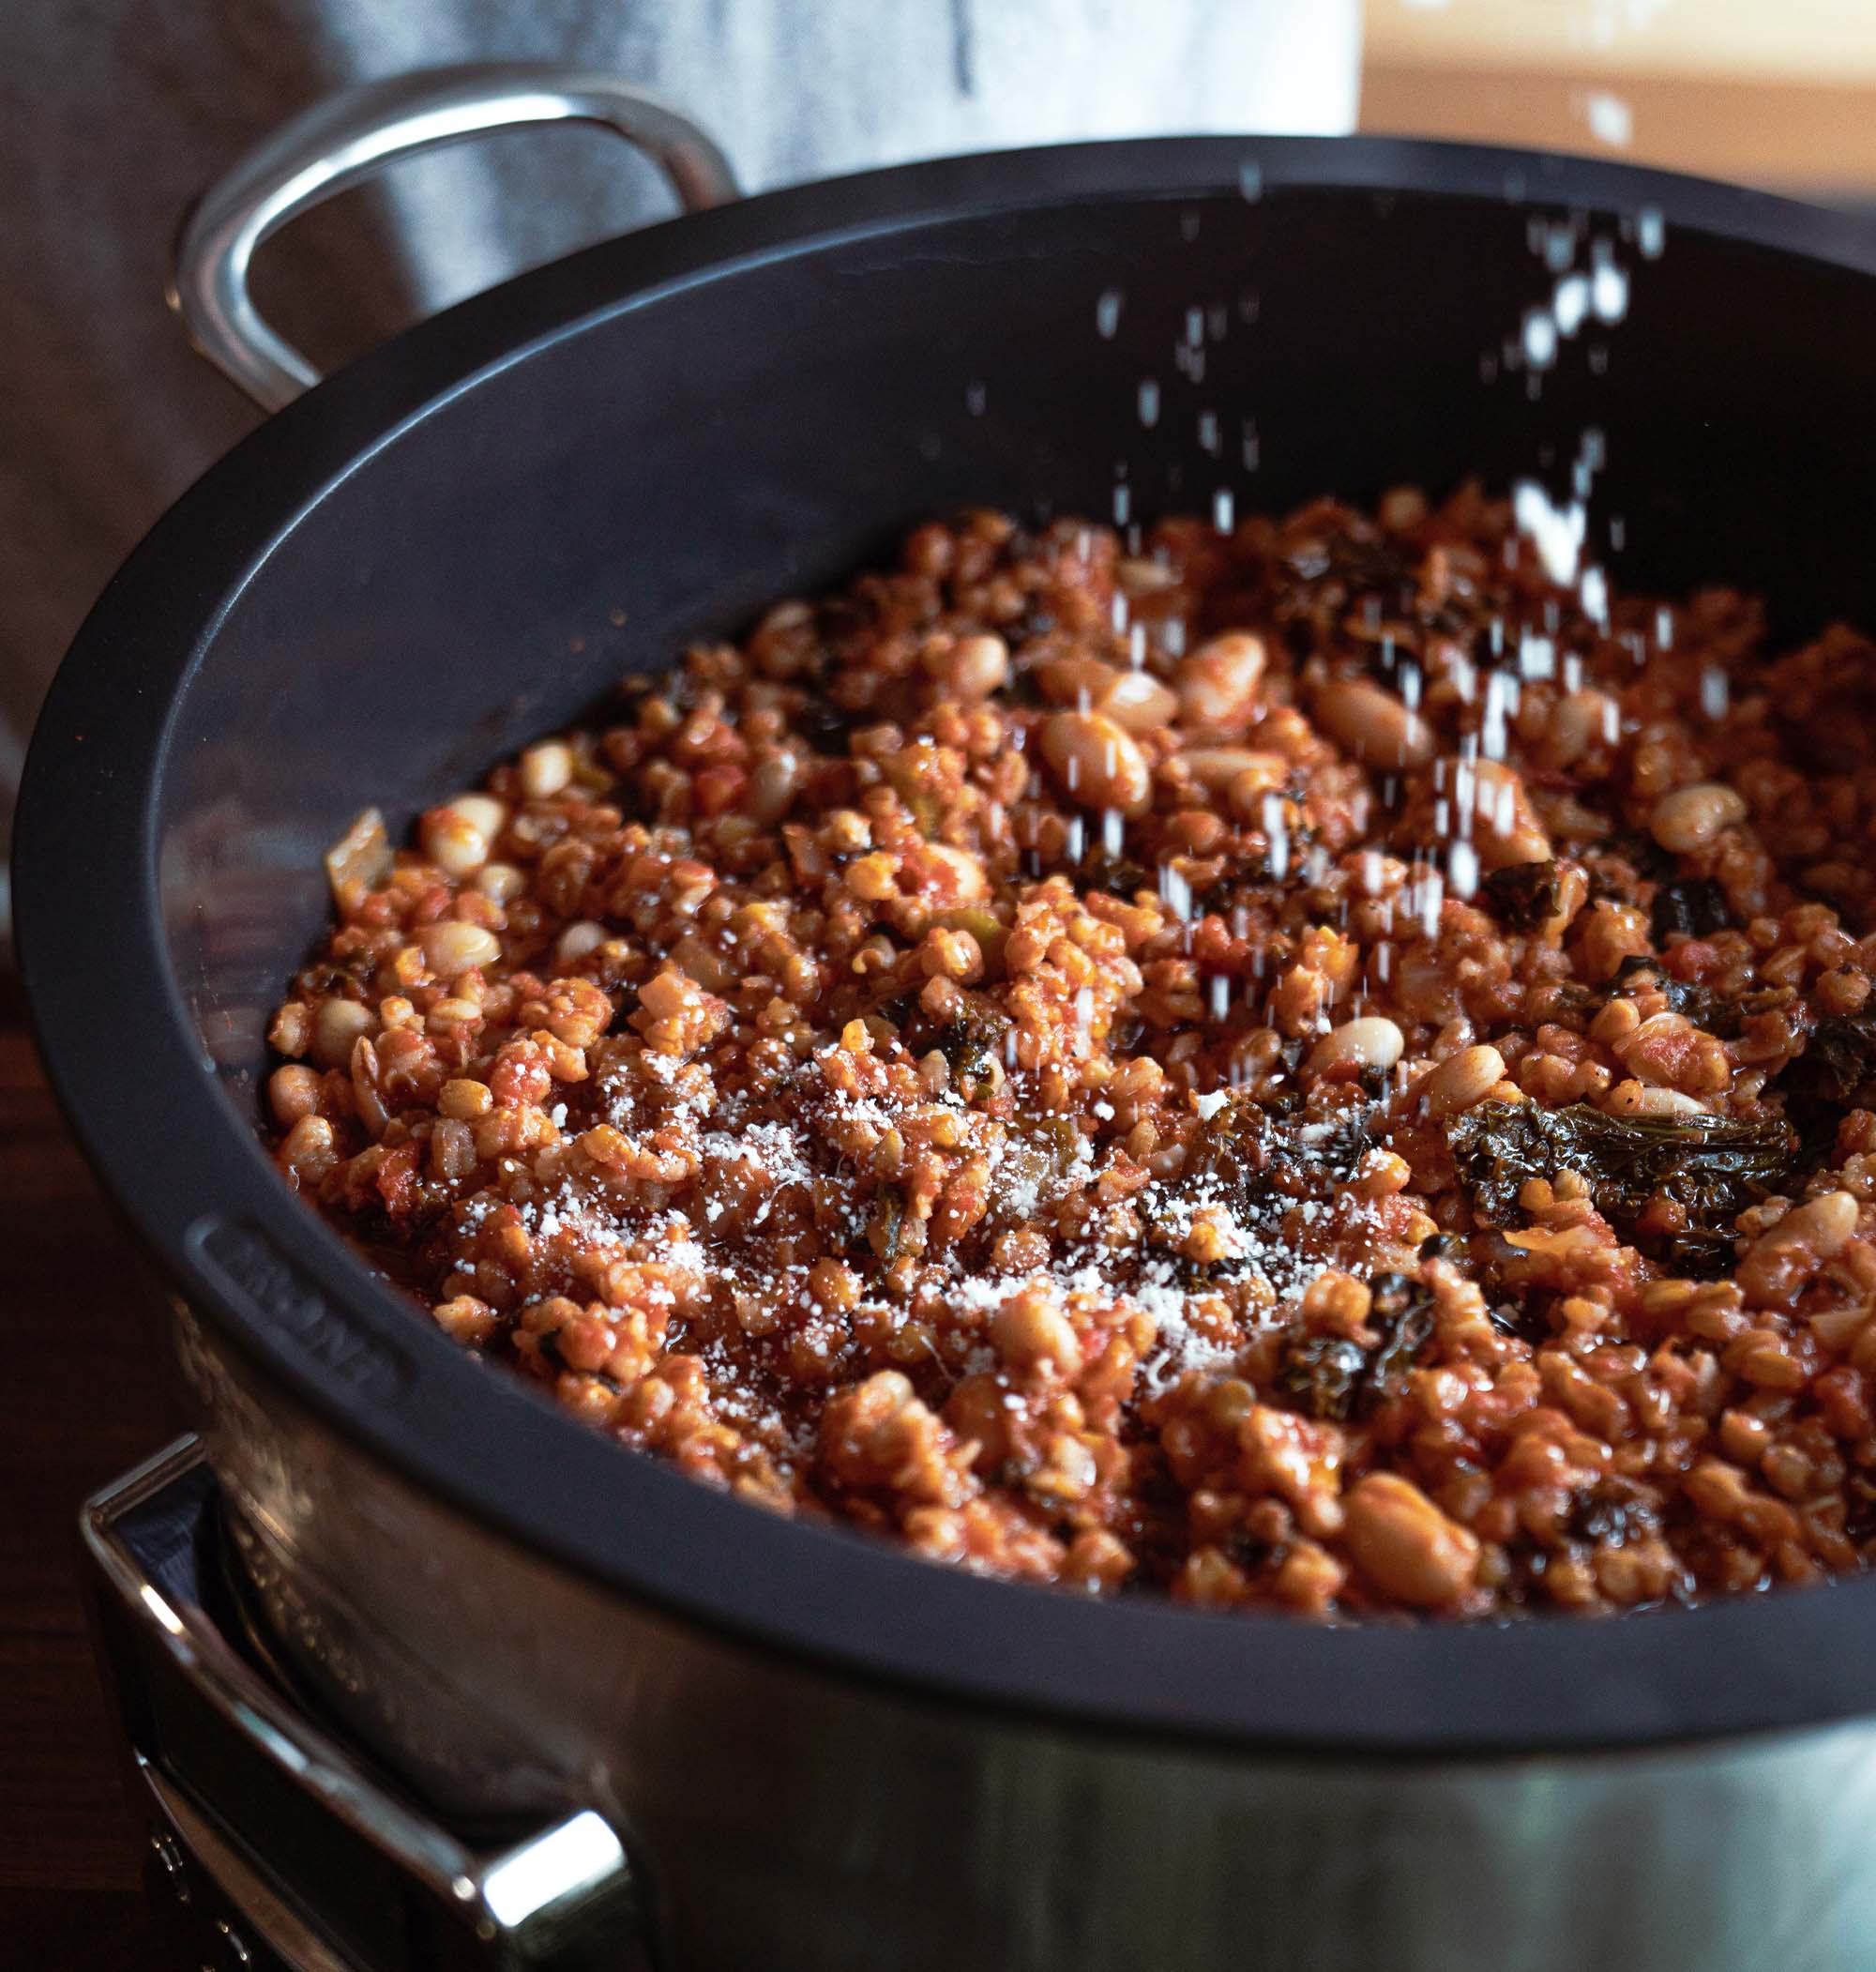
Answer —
1308 1068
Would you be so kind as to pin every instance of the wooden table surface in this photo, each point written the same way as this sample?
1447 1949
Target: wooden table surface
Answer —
90 1389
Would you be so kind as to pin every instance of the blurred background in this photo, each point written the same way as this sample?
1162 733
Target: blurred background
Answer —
113 113
1774 93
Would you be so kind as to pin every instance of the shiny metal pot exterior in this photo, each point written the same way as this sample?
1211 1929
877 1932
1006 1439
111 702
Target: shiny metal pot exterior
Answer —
820 1752
778 1816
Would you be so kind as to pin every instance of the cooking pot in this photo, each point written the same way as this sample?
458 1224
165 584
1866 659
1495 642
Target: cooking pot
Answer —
814 1751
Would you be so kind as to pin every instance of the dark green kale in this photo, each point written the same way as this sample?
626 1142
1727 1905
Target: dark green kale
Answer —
1709 1010
1253 1157
889 1217
973 1043
1643 854
825 725
1322 1374
1523 895
1712 1012
1697 1256
1528 1324
1251 1151
1691 907
1402 1310
1611 1512
1120 876
1232 1162
1722 1015
1333 1377
1252 1555
1840 1056
1039 1164
1713 1167
1349 566
1859 1507
1233 1154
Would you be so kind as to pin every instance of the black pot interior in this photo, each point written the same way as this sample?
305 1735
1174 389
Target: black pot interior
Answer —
469 537
663 472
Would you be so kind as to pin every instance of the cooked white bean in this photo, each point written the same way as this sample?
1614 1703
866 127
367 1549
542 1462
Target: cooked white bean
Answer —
1461 1081
501 883
457 834
1402 1542
579 939
1216 768
1373 725
1370 1042
1027 1332
1138 576
1508 829
1581 721
310 1150
545 771
453 843
1217 683
1134 700
1829 1220
336 1027
1097 762
978 666
1636 1098
1080 682
293 1092
774 784
1692 818
1139 701
481 811
451 948
1786 1255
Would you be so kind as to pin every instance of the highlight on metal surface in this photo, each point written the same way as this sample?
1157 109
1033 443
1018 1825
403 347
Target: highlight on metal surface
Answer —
347 138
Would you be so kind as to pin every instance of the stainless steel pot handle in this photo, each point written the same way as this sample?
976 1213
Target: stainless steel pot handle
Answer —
345 139
330 1865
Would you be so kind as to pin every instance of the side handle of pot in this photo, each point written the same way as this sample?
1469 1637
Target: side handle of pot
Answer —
347 138
330 1864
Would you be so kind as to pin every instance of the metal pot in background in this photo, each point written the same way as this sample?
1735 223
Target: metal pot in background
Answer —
810 1750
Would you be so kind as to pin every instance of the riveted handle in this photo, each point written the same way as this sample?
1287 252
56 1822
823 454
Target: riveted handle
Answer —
347 138
288 1836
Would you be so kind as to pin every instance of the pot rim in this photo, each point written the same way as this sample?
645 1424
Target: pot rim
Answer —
280 1286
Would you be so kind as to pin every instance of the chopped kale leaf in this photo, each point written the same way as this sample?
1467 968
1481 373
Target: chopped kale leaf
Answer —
1713 1167
973 1043
1233 1157
1611 1512
1120 876
1331 1376
1250 1156
1523 895
1692 907
1403 1313
1840 1056
1322 1375
1529 1325
1698 1256
1722 1015
825 725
